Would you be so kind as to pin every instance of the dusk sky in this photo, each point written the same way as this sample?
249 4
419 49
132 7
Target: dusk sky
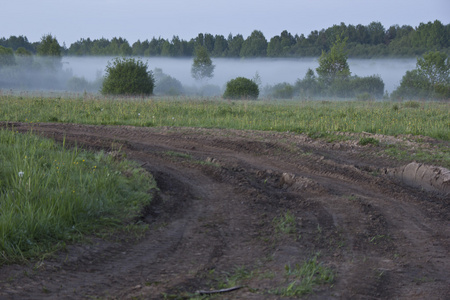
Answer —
143 19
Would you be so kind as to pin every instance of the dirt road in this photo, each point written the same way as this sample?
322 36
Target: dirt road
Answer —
217 222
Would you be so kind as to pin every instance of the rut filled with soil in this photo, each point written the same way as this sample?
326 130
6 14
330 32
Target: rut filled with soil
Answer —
216 216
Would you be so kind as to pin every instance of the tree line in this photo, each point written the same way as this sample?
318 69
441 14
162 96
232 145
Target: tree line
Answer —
364 41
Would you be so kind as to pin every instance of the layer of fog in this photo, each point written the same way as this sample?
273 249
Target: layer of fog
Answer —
86 73
271 71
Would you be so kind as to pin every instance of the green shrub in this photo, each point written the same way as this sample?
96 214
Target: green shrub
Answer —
166 85
241 88
6 57
372 85
127 76
283 91
411 104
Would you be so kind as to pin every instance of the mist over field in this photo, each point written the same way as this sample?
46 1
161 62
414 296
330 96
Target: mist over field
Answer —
271 70
86 73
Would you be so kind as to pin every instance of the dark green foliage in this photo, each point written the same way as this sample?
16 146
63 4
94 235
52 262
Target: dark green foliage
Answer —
309 86
371 85
255 45
430 79
49 46
363 88
127 76
282 91
235 45
6 57
16 42
333 64
372 40
435 67
202 66
412 85
24 57
241 88
365 41
166 85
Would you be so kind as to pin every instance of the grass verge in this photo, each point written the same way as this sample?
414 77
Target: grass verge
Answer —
317 118
50 195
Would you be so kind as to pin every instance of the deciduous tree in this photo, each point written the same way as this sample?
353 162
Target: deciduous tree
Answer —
333 64
202 67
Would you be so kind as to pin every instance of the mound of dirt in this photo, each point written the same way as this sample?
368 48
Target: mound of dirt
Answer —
430 178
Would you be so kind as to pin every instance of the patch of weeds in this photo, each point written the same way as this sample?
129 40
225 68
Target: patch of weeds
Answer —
286 223
332 138
178 154
352 197
302 279
380 274
235 278
411 104
436 156
368 140
317 135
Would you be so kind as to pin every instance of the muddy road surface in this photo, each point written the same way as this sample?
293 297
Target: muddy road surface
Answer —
240 209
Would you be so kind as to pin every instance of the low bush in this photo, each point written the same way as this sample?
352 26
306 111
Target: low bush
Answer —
282 91
127 76
241 88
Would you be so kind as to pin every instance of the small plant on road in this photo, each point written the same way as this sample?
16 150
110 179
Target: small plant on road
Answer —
304 278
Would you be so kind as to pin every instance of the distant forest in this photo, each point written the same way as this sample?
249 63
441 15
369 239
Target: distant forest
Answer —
363 41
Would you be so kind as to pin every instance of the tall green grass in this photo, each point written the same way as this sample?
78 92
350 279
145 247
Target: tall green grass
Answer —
424 118
50 195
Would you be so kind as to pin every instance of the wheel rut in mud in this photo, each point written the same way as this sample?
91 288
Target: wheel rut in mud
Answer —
221 194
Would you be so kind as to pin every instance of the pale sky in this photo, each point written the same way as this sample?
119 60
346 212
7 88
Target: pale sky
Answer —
143 19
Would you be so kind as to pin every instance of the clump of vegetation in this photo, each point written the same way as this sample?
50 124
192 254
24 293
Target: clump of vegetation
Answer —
304 278
127 76
282 91
334 78
166 85
6 57
411 104
286 223
430 79
368 140
50 195
241 88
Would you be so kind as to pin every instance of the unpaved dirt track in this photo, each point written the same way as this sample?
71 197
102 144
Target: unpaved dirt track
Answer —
220 191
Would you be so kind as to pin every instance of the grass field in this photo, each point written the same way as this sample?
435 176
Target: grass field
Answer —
50 195
426 118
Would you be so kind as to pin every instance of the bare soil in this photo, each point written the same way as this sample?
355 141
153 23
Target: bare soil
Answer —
213 217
